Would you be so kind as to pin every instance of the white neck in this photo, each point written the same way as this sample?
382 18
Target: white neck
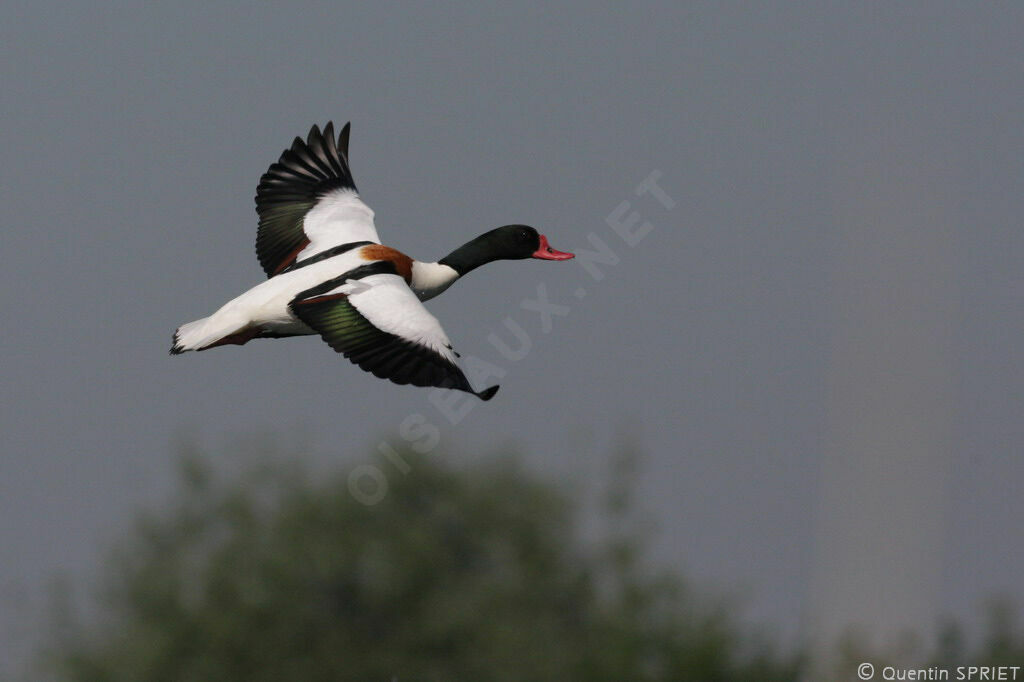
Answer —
431 279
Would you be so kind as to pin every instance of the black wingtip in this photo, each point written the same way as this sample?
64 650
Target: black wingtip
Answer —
314 135
304 173
488 393
343 139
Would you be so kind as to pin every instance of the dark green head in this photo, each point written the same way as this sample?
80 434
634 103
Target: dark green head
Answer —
509 242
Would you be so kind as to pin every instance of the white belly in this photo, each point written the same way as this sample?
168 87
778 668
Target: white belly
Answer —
265 306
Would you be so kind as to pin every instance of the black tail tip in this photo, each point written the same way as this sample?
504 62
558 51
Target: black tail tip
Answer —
488 393
176 348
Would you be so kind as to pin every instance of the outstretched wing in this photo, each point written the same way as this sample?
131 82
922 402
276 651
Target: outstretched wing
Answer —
377 322
307 202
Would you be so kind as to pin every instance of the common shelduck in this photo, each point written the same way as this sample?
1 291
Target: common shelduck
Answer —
328 274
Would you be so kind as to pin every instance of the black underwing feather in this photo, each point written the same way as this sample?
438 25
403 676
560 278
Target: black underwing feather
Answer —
291 187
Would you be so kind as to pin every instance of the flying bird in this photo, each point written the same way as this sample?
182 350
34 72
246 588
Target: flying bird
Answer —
329 274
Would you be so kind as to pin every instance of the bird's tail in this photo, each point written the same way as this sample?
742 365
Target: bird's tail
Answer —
191 336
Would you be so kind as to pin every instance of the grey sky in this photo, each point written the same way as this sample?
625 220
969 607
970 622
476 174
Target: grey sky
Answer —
134 136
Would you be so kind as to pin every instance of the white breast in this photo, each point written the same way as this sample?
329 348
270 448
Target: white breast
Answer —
431 279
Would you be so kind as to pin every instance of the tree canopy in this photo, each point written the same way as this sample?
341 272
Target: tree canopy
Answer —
474 573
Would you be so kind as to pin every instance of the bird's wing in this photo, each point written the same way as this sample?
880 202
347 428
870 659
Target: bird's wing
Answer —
307 202
373 318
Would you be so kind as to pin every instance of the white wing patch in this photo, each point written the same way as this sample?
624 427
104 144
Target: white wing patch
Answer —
391 306
339 217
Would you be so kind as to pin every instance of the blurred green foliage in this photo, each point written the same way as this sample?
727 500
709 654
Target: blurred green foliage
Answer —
475 573
1000 642
472 573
